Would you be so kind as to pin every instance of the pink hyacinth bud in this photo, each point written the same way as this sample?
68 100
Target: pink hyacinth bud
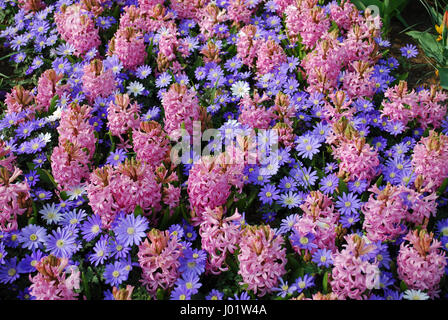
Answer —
31 5
181 107
122 115
262 259
358 159
421 262
51 282
158 257
47 86
74 126
14 199
399 103
219 237
187 9
7 157
352 275
69 165
97 82
269 55
429 160
384 212
247 45
18 100
75 26
129 46
151 144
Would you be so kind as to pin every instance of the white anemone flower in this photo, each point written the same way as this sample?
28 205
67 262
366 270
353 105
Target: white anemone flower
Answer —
240 89
412 294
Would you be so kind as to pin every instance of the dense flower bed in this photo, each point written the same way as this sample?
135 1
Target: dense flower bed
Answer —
237 149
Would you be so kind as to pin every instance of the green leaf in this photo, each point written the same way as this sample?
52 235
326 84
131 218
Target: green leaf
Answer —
365 197
53 102
377 3
320 173
8 55
325 283
396 5
442 187
231 263
44 175
360 4
403 76
310 268
293 261
160 293
64 195
230 201
252 197
138 211
342 186
34 211
428 42
403 286
85 285
436 15
379 181
443 74
165 219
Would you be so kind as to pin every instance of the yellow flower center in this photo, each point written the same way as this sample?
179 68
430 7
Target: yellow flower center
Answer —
60 243
445 231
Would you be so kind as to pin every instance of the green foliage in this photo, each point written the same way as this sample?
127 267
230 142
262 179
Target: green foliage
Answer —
342 186
435 10
388 9
325 283
428 42
442 187
435 45
443 74
435 50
